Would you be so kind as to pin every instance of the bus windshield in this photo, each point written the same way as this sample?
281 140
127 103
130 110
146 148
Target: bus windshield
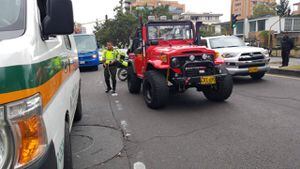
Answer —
85 43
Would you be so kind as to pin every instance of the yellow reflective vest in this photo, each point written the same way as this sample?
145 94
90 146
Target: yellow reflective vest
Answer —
110 56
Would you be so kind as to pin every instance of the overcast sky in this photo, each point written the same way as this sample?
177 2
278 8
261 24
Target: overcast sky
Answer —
90 10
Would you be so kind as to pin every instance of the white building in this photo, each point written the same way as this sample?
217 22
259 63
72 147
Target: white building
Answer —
206 18
288 24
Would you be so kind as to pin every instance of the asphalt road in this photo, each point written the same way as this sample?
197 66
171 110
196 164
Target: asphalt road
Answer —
258 127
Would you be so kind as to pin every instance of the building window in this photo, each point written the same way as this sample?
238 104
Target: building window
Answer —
240 28
288 24
253 26
261 25
296 24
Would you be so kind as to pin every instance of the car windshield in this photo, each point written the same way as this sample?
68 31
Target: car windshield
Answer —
12 18
226 42
170 32
86 43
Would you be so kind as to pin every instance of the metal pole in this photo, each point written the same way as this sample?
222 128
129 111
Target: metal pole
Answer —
246 17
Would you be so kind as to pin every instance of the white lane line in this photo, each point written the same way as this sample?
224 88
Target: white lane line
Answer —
280 76
139 165
126 131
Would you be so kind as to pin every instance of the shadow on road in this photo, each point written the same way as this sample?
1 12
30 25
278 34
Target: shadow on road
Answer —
246 81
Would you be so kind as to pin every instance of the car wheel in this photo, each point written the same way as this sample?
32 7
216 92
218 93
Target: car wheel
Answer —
221 92
133 82
258 76
155 90
78 112
122 74
68 163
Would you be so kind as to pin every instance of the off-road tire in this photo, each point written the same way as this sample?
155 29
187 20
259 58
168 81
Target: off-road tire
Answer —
133 82
78 112
258 76
221 92
68 162
155 90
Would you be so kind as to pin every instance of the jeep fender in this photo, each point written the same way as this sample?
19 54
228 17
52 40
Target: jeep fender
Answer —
157 64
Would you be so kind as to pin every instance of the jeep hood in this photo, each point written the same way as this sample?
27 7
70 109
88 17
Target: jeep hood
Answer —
180 49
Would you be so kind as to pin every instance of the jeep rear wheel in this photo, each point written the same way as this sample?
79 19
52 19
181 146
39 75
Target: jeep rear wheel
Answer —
155 90
257 76
133 82
221 92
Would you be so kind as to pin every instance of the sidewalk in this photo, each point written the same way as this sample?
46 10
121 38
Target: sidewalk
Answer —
292 70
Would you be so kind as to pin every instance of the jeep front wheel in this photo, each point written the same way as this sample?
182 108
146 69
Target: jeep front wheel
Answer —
133 82
221 92
155 90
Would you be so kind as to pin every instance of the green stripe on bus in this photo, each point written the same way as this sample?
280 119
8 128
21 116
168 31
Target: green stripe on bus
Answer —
20 77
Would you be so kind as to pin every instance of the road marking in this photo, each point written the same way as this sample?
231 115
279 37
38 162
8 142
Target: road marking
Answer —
280 76
139 165
124 126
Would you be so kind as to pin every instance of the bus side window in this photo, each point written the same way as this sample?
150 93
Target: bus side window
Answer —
203 42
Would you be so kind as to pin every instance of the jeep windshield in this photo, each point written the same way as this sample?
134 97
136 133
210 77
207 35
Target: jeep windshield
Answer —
226 42
85 43
12 18
170 31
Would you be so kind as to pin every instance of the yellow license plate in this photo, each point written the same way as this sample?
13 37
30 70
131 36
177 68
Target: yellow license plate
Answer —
208 80
253 70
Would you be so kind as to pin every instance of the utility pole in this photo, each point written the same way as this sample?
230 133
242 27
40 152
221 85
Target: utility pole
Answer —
246 18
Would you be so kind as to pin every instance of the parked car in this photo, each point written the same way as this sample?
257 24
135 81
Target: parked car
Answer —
240 59
39 84
87 50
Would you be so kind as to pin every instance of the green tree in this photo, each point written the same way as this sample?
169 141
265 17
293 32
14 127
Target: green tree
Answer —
120 29
283 10
263 10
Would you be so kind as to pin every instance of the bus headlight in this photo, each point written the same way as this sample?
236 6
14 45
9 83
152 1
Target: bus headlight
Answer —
28 128
94 56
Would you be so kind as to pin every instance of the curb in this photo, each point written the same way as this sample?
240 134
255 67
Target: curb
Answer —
278 71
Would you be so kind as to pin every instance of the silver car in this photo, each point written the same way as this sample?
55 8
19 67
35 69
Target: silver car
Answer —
240 59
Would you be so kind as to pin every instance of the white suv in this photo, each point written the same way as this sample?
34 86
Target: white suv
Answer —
240 59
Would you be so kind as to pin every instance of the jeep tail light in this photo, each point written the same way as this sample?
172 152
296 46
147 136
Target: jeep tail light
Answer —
219 60
28 128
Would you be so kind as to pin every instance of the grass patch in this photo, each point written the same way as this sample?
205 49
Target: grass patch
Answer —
295 67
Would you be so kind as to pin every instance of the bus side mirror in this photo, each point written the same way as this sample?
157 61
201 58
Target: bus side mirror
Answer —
198 36
59 18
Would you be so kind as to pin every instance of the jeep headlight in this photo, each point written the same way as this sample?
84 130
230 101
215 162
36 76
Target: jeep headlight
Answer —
175 63
208 57
25 118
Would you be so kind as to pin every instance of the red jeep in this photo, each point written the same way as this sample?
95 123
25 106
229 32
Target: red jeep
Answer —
166 56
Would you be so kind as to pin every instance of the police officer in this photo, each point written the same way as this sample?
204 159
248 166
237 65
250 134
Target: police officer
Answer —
110 62
287 45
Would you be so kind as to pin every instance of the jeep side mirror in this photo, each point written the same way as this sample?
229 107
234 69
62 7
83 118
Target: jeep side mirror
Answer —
198 36
59 18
